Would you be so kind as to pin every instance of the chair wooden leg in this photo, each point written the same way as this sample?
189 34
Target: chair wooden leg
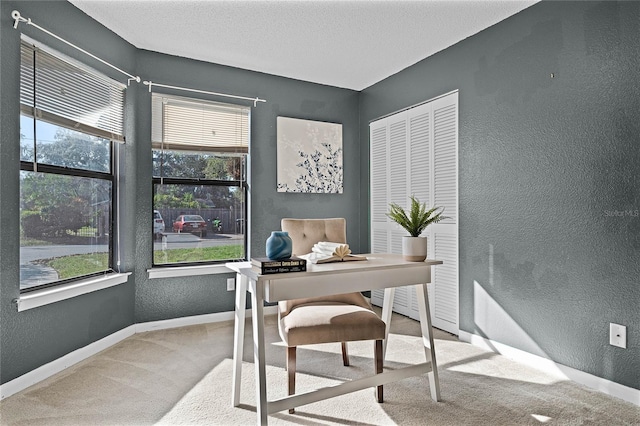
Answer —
291 372
378 362
345 354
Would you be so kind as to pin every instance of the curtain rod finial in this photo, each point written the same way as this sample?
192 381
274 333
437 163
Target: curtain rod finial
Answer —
17 18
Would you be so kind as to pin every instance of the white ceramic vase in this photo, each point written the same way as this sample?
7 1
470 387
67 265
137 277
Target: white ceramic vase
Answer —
414 249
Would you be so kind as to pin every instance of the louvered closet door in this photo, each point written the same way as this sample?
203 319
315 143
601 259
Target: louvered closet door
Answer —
414 152
398 193
389 155
444 235
379 141
419 120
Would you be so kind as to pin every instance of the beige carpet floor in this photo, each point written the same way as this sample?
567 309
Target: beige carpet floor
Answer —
182 376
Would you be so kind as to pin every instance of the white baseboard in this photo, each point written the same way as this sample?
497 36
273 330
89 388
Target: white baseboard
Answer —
41 373
66 361
195 320
561 371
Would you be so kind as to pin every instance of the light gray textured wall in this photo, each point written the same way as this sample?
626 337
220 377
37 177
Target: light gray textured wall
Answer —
545 265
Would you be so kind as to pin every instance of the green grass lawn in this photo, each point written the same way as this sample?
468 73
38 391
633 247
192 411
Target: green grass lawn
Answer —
84 264
202 254
78 264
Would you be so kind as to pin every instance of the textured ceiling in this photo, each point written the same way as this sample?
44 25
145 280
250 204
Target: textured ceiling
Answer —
351 44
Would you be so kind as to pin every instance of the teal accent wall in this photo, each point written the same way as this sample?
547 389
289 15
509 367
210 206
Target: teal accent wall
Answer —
545 163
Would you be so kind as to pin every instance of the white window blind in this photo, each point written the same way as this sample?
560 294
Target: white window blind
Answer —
195 125
58 91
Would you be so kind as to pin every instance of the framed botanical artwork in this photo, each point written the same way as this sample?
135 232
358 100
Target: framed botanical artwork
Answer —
309 156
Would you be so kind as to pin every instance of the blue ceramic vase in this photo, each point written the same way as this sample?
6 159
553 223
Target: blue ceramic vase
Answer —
279 245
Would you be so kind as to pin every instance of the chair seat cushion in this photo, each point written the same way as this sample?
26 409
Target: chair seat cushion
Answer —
325 322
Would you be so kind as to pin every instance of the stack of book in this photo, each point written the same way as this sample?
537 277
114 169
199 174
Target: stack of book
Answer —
267 266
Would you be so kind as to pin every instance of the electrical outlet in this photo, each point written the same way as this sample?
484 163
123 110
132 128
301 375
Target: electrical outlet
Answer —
231 284
618 335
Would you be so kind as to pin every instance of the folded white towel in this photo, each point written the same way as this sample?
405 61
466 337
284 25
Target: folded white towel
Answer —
322 250
326 248
329 245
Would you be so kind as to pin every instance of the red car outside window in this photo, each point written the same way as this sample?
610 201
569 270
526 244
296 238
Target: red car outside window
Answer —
190 223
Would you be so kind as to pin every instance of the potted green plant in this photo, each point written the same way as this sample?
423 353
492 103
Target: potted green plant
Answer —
414 246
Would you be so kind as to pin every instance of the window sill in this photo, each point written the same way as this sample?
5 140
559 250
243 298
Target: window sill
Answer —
46 296
187 271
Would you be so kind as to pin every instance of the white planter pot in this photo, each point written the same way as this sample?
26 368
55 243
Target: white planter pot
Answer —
414 249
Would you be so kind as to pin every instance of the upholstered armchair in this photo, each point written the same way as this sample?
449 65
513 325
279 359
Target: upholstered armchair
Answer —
340 318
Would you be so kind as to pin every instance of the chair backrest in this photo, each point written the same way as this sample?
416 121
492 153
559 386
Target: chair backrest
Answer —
305 233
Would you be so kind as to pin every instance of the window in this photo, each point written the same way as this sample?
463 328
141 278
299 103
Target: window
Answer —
70 117
199 180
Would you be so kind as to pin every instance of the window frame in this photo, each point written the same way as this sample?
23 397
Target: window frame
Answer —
242 184
28 166
35 115
236 150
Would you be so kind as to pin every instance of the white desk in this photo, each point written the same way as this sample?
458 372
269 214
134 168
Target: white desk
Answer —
379 271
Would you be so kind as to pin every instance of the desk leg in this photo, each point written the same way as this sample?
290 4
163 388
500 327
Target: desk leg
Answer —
427 339
387 309
238 336
257 306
